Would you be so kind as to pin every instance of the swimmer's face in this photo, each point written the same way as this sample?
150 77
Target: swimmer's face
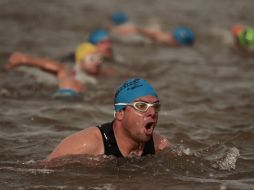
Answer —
105 48
140 125
91 64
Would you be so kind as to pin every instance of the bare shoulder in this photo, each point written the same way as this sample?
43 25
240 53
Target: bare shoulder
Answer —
88 135
160 142
88 141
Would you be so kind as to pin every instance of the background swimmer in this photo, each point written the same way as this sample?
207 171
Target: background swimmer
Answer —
123 30
70 81
100 38
180 36
243 36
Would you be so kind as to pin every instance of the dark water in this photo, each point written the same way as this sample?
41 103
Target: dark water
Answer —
206 91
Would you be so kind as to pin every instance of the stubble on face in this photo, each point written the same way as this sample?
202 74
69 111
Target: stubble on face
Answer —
142 129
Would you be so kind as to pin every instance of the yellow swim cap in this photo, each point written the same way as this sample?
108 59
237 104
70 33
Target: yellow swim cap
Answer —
83 50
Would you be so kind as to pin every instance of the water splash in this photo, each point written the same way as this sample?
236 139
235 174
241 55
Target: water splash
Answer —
180 150
229 161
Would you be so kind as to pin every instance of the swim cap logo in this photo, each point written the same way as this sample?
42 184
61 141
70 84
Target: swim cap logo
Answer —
130 85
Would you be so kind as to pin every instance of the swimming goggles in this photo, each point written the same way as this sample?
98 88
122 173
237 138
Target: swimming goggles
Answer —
91 58
142 106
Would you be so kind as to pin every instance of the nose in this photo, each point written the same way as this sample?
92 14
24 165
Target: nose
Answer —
151 112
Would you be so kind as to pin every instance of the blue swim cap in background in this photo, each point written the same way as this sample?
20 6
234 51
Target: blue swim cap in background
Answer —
119 18
184 36
132 89
97 36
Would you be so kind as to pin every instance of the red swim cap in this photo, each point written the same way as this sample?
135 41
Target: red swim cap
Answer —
236 29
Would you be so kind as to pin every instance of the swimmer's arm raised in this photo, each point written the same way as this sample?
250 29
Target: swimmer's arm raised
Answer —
18 59
88 141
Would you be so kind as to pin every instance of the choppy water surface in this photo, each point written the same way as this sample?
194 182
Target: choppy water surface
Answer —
206 91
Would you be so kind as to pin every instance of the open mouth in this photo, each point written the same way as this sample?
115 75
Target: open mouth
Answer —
149 127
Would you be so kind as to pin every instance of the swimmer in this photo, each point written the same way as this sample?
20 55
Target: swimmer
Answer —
100 38
124 31
121 24
181 36
243 36
71 82
136 110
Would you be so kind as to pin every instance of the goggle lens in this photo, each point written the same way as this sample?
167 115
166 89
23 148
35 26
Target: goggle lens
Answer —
93 58
143 106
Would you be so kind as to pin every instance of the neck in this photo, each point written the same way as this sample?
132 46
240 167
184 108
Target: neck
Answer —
126 144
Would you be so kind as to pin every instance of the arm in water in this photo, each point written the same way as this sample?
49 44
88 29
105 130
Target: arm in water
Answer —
65 78
181 36
158 36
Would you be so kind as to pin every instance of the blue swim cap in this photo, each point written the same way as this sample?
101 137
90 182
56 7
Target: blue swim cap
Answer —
98 36
119 18
184 36
132 89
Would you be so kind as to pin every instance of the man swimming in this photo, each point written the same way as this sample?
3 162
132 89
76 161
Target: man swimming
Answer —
136 108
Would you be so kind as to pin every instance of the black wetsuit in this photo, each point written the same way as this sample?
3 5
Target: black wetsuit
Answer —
110 144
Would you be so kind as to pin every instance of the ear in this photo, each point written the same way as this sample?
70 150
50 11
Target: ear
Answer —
119 115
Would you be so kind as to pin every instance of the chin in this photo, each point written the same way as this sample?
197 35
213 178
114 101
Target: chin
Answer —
146 138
